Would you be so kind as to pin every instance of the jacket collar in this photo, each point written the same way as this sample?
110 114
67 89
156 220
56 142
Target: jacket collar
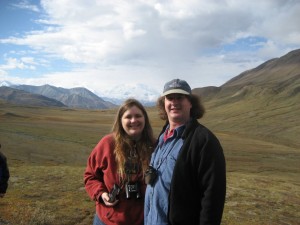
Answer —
190 125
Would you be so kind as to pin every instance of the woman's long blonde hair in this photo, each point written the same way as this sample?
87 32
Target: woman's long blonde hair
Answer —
123 143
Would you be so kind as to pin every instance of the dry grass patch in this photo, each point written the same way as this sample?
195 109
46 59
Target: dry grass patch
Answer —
47 149
47 195
261 199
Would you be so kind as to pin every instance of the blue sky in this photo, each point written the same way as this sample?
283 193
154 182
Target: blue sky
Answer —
100 44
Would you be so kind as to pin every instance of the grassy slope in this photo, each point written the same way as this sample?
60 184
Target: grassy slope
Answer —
47 151
260 136
261 115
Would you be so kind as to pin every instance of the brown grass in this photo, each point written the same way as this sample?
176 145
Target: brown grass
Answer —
47 149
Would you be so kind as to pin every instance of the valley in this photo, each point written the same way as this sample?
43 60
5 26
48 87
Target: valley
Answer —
47 149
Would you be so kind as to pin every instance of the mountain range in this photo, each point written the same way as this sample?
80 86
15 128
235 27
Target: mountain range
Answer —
21 97
277 78
78 97
49 95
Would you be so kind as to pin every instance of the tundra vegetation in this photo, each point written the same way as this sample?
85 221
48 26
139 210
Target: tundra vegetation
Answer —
47 149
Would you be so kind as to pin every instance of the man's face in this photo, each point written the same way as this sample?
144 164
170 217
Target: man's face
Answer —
178 108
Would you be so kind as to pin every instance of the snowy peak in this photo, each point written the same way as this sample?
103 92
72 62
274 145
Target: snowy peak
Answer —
142 92
6 84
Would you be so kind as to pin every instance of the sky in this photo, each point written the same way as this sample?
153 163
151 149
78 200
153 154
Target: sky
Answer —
107 44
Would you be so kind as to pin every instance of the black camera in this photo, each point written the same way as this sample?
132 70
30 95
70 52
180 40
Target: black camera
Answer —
150 175
132 189
114 193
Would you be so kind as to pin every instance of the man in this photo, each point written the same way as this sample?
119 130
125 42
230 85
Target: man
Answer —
188 174
4 175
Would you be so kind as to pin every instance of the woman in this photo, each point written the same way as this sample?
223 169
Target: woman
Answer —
114 173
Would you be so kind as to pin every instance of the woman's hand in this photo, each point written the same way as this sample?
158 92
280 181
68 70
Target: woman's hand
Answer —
106 201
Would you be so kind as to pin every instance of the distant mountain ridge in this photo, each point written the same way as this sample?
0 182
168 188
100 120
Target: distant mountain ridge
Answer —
21 97
73 98
80 97
279 77
270 72
263 102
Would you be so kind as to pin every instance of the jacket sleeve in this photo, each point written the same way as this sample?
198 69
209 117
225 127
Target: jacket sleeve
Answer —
4 174
212 181
96 164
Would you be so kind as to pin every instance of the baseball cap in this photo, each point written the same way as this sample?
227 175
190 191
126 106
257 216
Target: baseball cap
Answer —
177 86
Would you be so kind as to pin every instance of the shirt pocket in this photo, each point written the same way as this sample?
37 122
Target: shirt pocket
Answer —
167 170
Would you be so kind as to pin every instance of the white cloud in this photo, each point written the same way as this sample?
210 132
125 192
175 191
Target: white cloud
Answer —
13 63
24 4
130 32
151 41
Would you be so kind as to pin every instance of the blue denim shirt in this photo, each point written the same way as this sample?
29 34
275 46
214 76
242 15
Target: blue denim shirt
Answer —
163 159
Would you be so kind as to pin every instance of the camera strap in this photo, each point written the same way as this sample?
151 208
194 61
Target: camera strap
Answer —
177 131
163 157
132 165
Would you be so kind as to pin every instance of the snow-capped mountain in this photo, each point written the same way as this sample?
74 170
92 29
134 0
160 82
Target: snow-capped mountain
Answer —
6 84
115 95
119 93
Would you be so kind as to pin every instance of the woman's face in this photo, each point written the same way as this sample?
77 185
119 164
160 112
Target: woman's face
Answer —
133 122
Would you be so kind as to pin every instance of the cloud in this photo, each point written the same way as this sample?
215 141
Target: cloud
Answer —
126 41
24 4
13 63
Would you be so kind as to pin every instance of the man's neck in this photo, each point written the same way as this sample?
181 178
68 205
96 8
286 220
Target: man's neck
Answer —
174 125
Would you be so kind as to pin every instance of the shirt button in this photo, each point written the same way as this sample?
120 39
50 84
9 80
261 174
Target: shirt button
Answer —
157 163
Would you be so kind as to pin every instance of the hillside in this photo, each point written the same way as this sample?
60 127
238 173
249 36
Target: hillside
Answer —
263 102
279 77
271 73
20 97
